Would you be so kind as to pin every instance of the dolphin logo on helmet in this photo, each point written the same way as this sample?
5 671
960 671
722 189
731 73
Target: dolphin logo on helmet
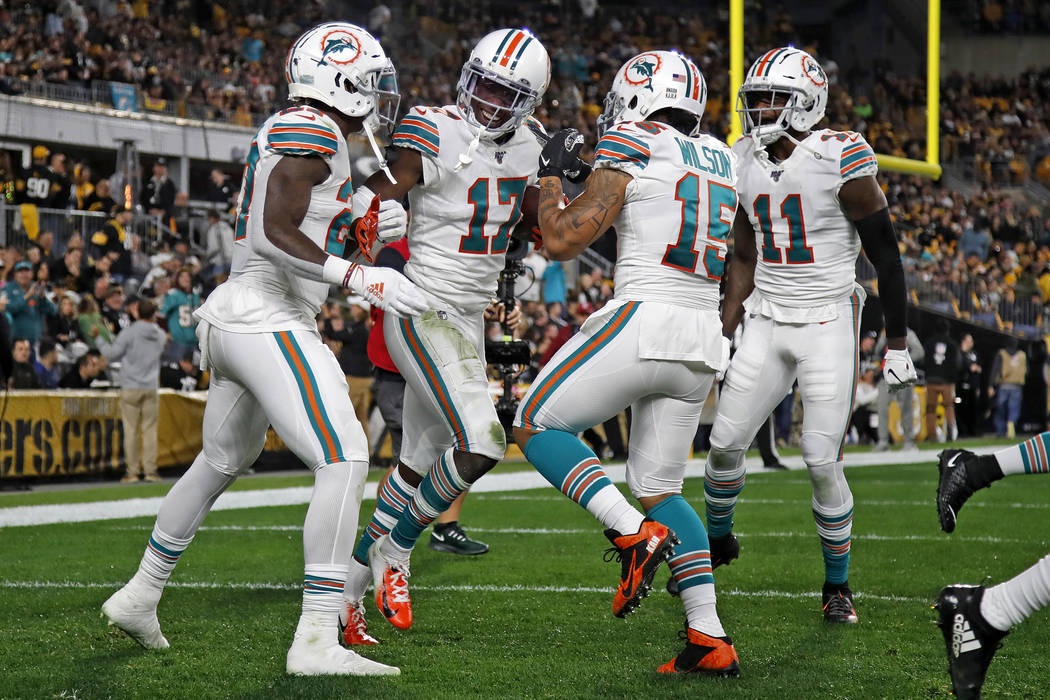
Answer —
338 44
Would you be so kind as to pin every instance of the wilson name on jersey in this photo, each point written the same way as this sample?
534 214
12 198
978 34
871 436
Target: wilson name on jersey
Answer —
807 248
677 212
261 296
462 215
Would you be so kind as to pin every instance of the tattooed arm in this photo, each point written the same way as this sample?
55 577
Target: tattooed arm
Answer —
566 232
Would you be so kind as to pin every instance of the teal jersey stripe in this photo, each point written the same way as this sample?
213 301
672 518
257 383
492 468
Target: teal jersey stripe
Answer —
854 157
618 151
642 145
307 129
444 397
300 137
338 456
413 141
418 131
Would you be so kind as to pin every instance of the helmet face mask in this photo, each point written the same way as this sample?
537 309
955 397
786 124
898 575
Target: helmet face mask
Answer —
652 81
503 81
785 89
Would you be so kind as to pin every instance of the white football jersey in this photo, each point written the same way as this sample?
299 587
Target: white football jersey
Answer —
260 296
677 213
461 217
807 248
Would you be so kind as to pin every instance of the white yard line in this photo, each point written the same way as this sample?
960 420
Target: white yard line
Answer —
491 483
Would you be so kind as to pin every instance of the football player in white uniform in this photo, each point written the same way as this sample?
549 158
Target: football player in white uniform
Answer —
808 202
259 339
669 191
464 169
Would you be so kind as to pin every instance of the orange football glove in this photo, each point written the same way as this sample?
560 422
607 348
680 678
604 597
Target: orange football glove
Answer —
367 228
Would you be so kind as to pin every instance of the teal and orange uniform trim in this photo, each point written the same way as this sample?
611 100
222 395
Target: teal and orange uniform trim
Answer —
314 585
512 48
691 568
854 302
417 132
298 138
435 383
1034 454
619 147
765 64
855 158
165 553
310 393
542 390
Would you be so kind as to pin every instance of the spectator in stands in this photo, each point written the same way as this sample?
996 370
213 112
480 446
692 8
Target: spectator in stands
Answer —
158 195
100 199
218 255
38 184
83 187
183 375
110 240
60 199
942 368
92 325
139 347
45 241
178 307
973 242
69 269
46 366
23 376
88 366
220 190
64 326
27 305
113 312
352 337
969 411
1007 378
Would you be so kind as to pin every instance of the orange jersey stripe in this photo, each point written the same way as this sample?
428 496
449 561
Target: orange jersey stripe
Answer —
314 408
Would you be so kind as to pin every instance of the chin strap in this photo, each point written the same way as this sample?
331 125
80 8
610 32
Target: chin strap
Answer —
378 152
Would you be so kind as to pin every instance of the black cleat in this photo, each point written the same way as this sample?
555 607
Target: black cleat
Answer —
723 549
970 641
954 485
672 587
451 539
837 601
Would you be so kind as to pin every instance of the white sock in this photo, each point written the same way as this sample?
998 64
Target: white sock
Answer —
323 589
614 511
357 580
159 559
1010 602
700 613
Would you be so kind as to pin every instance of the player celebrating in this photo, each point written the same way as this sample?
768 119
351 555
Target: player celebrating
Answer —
973 618
269 366
464 168
669 192
808 202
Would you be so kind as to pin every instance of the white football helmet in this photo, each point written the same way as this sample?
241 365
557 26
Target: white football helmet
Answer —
789 82
507 63
343 66
652 81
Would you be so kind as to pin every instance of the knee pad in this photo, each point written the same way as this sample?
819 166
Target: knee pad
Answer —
723 459
830 489
492 443
818 449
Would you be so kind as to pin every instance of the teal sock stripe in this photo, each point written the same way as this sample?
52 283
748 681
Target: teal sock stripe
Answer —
568 464
165 553
1034 453
720 496
316 585
835 544
439 489
691 562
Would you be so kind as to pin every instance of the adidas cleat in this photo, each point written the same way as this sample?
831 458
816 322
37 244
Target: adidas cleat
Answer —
837 601
970 641
714 656
353 629
391 583
724 550
640 555
134 609
953 485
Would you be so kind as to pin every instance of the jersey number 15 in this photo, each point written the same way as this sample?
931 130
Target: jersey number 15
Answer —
721 200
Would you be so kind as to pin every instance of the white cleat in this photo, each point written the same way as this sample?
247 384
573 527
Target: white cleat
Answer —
315 651
134 610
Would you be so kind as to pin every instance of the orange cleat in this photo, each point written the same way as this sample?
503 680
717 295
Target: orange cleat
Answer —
391 584
714 656
353 629
640 555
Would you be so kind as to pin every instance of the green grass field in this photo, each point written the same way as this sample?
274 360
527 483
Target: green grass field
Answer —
531 618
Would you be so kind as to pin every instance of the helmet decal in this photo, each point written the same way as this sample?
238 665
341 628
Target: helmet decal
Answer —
340 47
642 70
812 70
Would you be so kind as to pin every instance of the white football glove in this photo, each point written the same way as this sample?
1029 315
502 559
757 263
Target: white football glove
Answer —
393 219
898 370
726 347
388 289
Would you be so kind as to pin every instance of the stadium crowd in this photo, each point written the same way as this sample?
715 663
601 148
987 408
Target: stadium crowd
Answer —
980 252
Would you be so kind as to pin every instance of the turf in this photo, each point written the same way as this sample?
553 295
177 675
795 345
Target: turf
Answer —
532 618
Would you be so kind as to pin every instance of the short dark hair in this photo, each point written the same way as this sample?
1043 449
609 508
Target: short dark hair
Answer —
146 310
46 346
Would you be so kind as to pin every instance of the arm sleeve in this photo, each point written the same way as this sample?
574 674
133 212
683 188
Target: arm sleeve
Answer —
389 257
879 240
114 350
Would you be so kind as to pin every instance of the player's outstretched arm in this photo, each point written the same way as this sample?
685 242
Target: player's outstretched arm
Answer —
566 232
740 276
865 205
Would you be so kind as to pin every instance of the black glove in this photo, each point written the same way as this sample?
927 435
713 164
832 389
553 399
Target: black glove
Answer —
560 157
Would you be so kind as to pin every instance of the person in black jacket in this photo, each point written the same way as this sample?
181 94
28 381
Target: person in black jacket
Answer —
942 368
969 413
